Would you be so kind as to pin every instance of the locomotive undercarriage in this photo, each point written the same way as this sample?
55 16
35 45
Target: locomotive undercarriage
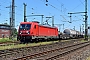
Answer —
24 39
27 39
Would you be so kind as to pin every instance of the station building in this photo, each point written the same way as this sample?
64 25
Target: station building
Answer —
4 31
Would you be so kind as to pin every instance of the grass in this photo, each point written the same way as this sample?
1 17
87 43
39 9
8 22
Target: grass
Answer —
88 58
83 40
25 45
6 40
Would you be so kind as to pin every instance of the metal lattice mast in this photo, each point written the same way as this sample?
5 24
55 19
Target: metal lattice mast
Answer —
25 20
13 18
10 20
86 25
52 21
13 14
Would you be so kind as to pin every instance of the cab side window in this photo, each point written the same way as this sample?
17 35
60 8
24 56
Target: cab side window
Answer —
35 27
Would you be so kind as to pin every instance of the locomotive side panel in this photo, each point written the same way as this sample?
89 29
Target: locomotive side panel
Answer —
47 31
34 30
43 32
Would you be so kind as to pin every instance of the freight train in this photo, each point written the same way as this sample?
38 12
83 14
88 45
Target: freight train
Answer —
33 31
69 33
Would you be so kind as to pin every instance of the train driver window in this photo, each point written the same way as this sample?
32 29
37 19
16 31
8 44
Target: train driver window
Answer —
57 29
35 27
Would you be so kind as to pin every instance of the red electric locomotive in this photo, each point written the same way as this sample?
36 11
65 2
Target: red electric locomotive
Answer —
33 31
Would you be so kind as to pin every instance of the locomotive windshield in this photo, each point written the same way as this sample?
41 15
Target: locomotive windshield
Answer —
25 26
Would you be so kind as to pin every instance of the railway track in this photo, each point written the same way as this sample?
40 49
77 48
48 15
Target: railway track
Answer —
67 51
10 54
54 53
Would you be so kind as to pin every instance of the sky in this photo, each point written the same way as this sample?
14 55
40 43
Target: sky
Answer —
57 8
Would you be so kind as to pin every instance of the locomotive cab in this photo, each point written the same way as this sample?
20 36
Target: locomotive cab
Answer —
25 31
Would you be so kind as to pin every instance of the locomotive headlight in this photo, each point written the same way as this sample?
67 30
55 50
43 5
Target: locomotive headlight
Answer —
20 32
28 32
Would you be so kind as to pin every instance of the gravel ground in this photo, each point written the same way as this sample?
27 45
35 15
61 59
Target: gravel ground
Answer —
33 50
81 54
88 58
